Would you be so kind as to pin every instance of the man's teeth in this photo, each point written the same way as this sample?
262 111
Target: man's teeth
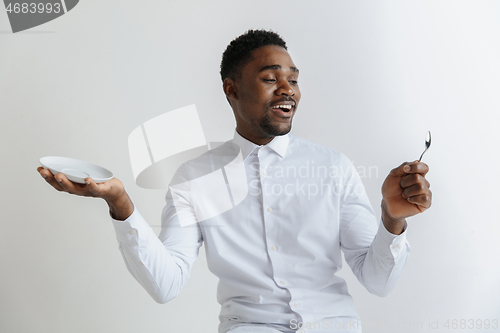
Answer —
289 107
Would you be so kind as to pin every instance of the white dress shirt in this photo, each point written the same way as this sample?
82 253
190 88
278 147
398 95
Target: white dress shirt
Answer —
276 253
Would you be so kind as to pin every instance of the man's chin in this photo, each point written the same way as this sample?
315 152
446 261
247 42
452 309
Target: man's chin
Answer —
277 131
285 131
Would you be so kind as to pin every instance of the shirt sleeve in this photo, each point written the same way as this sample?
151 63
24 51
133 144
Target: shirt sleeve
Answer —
375 255
162 265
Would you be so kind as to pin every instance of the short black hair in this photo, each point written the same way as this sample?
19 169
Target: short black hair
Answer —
239 51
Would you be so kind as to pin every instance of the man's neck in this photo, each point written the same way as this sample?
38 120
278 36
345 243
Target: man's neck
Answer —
260 141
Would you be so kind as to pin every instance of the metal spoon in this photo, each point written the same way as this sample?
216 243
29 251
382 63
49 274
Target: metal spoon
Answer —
427 144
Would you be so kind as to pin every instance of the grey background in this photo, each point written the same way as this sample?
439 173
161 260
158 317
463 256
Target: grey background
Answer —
375 76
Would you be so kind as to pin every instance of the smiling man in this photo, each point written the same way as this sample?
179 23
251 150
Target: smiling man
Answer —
278 251
264 93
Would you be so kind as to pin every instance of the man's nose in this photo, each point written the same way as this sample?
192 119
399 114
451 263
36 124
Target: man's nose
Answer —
284 88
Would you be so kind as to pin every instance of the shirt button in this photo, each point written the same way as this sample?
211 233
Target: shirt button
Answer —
395 269
296 305
282 282
261 149
274 248
395 246
264 173
269 209
132 232
140 262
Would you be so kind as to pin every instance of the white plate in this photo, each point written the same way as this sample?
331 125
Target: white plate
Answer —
76 170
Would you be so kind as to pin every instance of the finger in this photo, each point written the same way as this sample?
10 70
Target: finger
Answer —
400 170
92 187
49 178
69 186
416 189
413 179
423 200
417 167
45 173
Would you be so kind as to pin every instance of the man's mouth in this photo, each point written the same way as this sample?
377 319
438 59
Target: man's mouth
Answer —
283 110
283 107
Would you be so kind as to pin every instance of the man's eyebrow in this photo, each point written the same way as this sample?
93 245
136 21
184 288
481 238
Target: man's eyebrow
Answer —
295 69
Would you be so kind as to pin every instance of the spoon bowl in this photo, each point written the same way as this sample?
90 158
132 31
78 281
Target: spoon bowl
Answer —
427 144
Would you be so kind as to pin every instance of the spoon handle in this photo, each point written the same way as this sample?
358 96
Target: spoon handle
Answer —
420 159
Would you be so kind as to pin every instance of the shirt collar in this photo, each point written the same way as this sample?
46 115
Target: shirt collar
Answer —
278 144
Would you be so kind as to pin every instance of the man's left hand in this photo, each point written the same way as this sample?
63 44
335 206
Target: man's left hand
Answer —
405 193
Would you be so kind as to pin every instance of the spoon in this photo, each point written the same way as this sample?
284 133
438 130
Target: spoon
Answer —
427 144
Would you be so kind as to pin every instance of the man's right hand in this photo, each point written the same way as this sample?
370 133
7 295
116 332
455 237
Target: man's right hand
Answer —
112 191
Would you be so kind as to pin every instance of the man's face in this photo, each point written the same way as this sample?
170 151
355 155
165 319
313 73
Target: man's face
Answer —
266 95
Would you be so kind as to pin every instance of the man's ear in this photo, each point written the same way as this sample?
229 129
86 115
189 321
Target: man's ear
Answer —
230 89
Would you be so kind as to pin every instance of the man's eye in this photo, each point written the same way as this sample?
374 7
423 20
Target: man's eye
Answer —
294 82
270 80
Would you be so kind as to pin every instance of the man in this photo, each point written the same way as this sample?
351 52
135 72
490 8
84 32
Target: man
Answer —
276 253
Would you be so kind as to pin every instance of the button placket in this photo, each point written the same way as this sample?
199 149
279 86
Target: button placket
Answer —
267 200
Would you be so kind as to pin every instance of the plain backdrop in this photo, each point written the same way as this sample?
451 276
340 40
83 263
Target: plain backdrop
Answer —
375 77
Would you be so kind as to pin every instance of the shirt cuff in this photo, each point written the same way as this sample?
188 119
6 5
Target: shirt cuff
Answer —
133 228
395 243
